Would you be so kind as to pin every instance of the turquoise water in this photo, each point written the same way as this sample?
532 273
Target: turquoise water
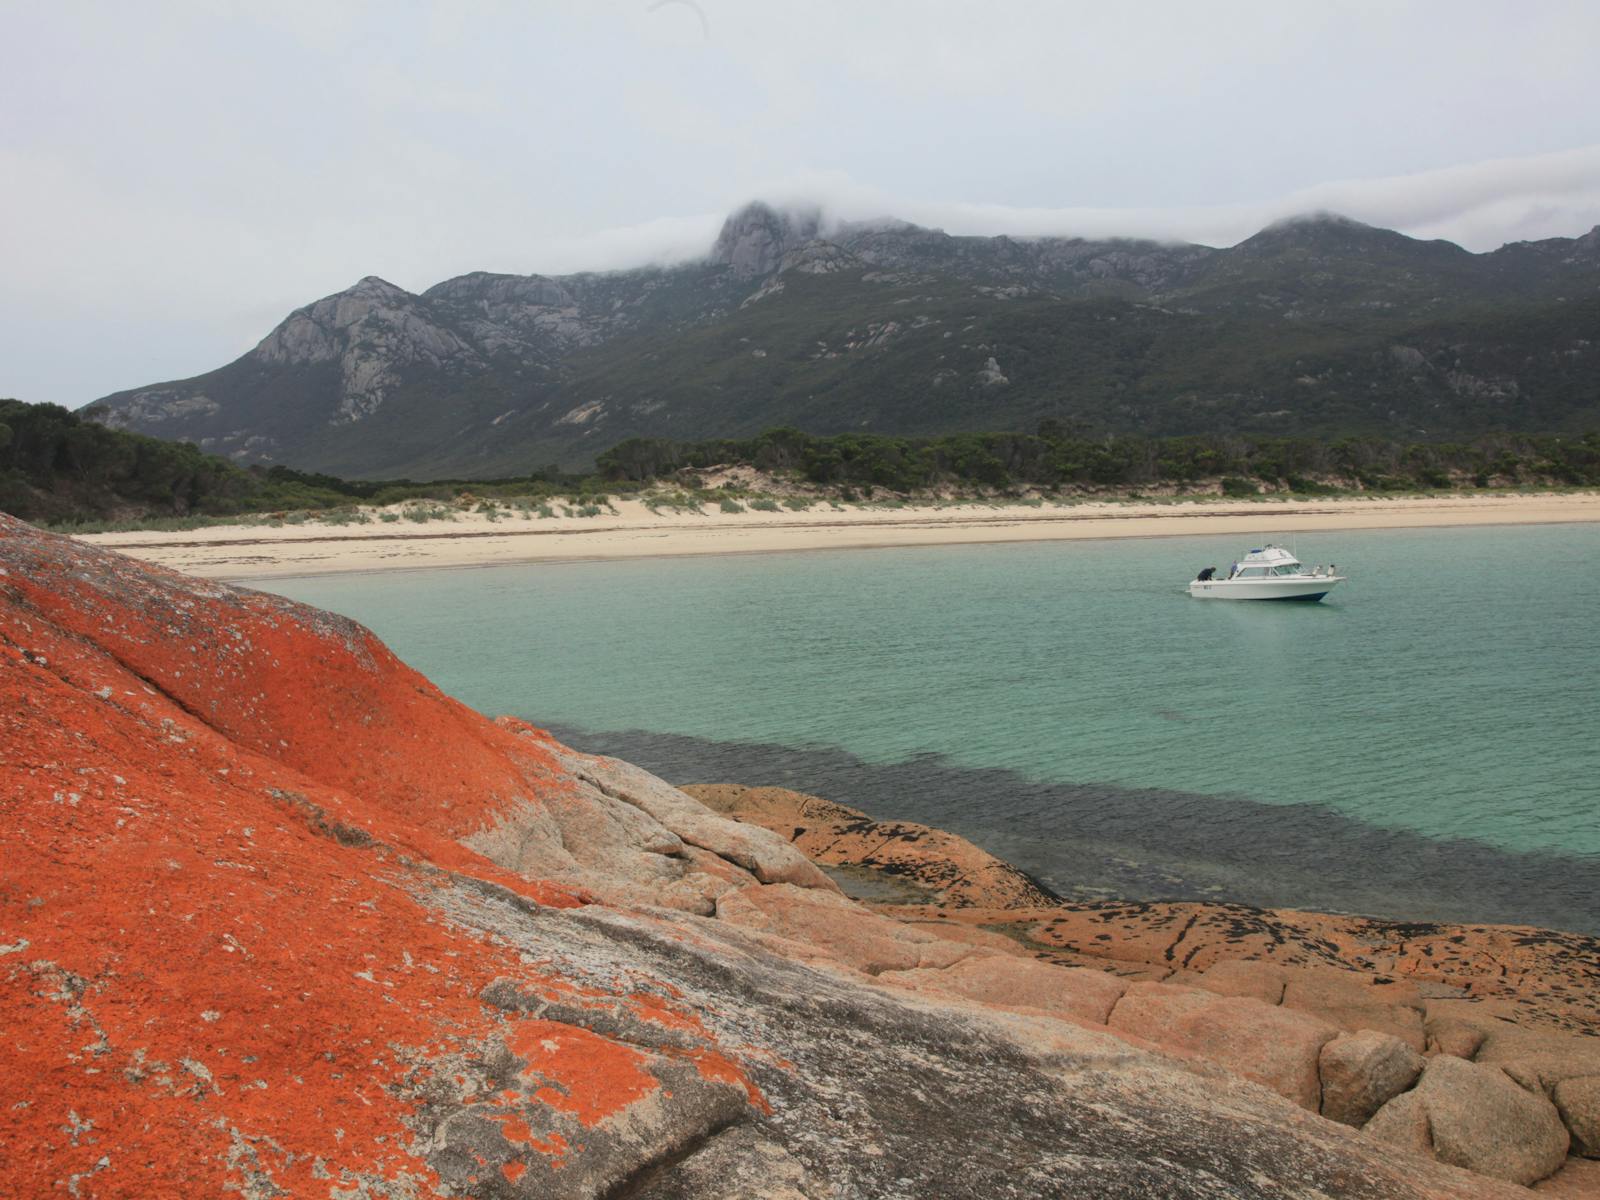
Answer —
1450 691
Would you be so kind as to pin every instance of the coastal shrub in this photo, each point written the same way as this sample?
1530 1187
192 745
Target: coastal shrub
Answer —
1374 482
679 501
388 517
80 522
1302 486
546 511
765 504
589 510
729 505
797 503
1232 485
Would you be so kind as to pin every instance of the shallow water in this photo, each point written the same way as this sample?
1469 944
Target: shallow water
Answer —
1423 743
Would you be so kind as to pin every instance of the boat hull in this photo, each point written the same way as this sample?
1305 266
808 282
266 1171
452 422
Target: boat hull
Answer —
1310 588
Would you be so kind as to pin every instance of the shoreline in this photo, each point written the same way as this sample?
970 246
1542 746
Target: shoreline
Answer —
633 530
926 875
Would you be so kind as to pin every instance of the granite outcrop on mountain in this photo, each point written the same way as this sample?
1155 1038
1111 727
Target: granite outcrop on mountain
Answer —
277 917
1319 325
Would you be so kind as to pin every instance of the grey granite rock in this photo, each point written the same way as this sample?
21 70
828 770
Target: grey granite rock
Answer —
1578 1101
755 239
1477 1117
1361 1072
871 1092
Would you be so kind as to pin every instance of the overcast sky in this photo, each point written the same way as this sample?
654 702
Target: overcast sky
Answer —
175 177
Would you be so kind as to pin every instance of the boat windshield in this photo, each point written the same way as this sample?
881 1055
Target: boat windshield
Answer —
1287 569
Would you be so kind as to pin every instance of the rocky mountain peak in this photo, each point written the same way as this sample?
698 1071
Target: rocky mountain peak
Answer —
1317 219
1310 229
755 239
370 330
487 289
318 331
1328 233
375 287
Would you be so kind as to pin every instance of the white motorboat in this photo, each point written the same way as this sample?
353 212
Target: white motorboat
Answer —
1267 573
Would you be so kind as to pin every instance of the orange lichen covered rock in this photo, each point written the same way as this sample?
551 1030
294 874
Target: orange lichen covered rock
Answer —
303 688
225 955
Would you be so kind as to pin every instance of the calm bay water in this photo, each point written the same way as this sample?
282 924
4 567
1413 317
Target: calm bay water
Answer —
1425 743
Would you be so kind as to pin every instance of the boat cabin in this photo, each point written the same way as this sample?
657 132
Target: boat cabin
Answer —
1266 562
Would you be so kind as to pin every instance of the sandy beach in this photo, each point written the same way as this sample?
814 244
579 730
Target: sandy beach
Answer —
632 530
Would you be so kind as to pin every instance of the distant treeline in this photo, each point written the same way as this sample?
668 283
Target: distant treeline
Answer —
1057 457
53 463
56 467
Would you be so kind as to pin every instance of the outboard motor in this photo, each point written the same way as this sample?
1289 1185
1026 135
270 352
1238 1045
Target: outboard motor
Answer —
1205 574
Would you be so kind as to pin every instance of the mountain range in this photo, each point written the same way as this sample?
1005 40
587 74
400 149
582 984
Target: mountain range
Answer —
1318 325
